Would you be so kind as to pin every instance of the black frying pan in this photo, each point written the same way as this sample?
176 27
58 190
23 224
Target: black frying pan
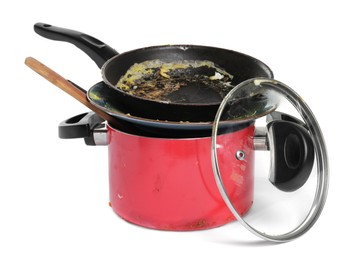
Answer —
115 65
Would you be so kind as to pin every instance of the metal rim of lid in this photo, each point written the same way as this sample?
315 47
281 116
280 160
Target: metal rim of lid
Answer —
320 152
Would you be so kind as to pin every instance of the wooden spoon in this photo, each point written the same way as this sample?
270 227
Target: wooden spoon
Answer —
66 86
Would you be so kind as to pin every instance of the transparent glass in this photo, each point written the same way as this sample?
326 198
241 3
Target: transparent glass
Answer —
276 215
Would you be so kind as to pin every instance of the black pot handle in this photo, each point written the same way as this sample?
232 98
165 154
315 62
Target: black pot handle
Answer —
292 152
81 126
98 51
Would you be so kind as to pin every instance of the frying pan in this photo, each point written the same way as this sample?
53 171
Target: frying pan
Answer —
115 65
103 97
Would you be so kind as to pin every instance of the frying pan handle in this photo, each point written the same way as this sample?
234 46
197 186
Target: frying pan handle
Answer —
87 125
98 51
292 152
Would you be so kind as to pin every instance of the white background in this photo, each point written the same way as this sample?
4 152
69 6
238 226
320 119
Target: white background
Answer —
54 193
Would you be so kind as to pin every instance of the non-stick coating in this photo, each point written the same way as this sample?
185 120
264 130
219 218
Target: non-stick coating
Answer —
241 66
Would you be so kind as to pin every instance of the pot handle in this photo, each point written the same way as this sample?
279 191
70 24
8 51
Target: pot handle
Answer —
87 125
292 152
98 51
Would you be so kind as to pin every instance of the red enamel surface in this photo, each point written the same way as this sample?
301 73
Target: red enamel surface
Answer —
169 184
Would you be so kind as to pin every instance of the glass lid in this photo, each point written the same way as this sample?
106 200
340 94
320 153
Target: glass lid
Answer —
290 169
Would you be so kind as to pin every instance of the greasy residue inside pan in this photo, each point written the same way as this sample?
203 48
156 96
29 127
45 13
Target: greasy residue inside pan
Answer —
178 81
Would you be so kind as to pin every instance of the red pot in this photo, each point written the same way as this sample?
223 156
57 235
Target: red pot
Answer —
168 183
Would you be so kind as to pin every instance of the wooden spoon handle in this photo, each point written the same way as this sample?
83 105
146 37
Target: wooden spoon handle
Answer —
66 86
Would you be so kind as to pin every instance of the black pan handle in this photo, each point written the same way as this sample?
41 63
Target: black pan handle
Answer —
81 126
292 153
98 51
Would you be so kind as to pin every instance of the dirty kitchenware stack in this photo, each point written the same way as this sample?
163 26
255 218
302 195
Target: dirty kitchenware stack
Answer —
182 125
